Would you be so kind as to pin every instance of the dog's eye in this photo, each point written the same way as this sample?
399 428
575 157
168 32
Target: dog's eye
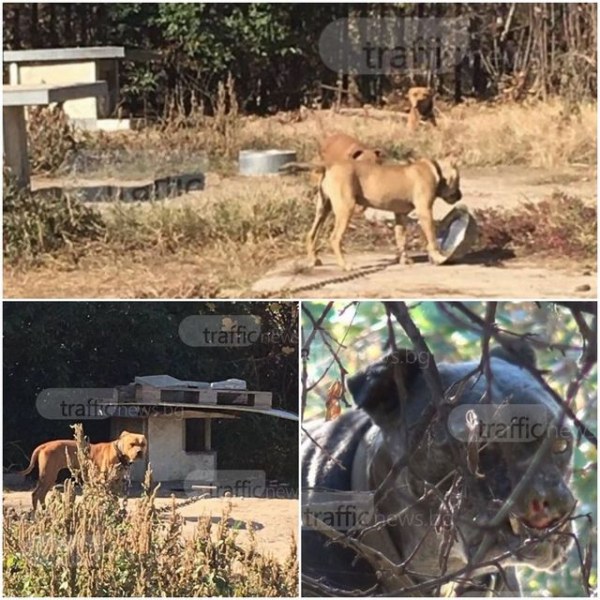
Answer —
560 445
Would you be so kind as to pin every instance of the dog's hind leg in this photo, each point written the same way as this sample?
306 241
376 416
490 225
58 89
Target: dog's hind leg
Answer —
400 234
39 494
322 212
48 472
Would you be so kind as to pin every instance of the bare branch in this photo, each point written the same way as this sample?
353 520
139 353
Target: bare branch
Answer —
426 360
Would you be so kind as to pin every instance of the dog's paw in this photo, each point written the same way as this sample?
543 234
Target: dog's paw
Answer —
314 261
404 259
436 257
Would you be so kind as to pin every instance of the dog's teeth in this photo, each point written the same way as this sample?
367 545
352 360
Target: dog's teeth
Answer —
515 525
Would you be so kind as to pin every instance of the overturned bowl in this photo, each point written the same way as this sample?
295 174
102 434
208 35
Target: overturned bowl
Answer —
264 162
456 233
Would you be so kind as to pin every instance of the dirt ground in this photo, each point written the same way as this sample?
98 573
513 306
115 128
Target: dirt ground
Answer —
280 267
275 521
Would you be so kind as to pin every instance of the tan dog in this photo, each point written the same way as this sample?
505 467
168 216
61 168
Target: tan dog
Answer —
52 458
334 148
393 187
340 146
421 106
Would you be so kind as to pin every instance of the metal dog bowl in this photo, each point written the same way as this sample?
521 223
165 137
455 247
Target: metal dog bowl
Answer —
457 233
264 162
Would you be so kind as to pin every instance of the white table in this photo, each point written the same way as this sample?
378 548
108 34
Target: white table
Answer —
14 100
63 66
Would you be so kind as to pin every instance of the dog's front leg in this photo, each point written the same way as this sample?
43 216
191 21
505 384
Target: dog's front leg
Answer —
413 119
400 234
425 217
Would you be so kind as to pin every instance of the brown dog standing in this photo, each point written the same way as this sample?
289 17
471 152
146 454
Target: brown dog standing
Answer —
392 187
51 458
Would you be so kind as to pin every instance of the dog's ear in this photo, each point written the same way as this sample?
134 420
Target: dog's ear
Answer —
381 389
452 160
124 433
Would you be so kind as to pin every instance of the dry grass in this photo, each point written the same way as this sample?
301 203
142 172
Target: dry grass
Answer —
95 545
229 234
52 139
37 224
538 135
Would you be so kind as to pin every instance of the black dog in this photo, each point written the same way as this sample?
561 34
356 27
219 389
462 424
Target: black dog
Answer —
434 480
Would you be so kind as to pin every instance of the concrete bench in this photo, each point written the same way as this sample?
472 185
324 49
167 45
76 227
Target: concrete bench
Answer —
16 98
61 66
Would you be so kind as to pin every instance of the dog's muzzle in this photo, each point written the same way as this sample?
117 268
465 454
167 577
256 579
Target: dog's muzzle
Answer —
454 198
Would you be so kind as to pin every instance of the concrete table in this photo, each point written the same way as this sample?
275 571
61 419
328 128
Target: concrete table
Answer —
61 66
16 98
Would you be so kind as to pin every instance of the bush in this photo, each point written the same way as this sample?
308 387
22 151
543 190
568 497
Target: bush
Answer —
51 139
95 545
43 221
561 225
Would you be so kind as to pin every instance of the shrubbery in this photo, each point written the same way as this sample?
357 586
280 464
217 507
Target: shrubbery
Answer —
44 221
561 225
97 545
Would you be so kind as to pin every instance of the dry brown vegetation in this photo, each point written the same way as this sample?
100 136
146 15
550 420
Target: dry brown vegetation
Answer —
547 135
239 227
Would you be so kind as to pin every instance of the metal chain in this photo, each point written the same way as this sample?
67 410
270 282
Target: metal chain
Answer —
191 500
341 278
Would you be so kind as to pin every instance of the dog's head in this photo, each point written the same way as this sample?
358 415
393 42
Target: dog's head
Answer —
422 99
459 491
132 445
449 181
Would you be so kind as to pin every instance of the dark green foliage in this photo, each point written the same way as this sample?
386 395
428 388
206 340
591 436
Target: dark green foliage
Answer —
272 50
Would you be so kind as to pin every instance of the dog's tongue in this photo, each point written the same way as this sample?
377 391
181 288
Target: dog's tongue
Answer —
540 515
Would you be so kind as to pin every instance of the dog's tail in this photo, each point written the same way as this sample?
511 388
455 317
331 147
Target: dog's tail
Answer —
298 167
32 462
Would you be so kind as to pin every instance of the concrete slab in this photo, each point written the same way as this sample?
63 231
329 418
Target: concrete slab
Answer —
44 94
75 54
475 278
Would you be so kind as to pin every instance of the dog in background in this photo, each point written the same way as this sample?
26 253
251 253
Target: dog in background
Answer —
421 107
